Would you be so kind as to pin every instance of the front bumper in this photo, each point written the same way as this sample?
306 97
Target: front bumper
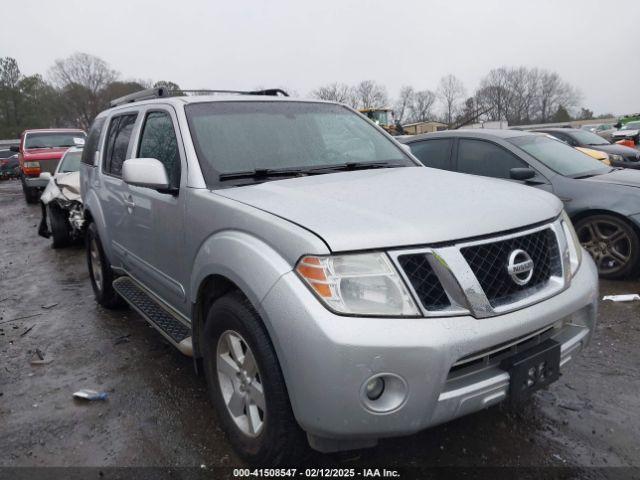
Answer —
327 359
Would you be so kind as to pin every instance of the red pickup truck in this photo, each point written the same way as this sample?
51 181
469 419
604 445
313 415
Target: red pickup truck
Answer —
40 151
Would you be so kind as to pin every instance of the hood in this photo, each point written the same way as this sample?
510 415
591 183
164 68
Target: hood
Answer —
395 207
623 176
618 150
64 186
44 153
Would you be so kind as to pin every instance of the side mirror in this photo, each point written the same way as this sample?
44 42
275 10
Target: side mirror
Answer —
14 148
618 125
145 172
45 176
522 173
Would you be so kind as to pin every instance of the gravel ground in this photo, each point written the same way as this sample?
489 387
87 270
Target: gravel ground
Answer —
158 413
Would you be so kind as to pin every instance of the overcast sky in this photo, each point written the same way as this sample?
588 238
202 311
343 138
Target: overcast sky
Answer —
303 44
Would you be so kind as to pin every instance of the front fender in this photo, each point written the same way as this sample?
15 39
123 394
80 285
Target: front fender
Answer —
245 260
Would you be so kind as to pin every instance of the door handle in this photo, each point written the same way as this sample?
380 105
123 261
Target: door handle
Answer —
128 201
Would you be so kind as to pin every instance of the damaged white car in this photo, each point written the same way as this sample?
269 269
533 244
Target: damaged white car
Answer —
62 217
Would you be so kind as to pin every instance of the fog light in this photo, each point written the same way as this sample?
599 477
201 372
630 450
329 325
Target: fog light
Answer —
375 388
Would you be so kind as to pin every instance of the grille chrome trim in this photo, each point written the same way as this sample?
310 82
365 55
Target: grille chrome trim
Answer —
462 286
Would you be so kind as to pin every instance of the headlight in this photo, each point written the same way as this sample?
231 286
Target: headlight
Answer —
616 158
357 284
575 249
31 164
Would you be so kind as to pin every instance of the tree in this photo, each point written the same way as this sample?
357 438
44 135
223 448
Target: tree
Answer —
336 92
561 115
370 94
585 114
171 86
421 107
403 105
450 91
83 80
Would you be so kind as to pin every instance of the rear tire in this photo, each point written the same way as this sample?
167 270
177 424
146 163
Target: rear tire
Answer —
100 271
60 227
273 437
613 244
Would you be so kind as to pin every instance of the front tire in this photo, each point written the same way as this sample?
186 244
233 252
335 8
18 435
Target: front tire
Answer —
247 387
60 227
613 244
100 271
31 195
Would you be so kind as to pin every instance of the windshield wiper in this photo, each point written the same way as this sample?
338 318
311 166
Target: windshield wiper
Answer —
260 173
353 166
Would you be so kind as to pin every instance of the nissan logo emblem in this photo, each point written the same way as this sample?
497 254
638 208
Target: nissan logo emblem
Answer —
520 267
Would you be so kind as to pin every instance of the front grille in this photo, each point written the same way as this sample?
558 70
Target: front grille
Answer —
489 262
424 281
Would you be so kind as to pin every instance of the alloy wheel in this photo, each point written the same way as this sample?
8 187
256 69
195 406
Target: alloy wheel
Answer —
608 242
96 264
240 383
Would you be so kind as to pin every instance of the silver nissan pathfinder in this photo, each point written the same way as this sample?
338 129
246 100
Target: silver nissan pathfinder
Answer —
332 289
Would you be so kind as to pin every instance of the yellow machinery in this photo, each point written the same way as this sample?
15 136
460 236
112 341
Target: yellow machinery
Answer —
381 116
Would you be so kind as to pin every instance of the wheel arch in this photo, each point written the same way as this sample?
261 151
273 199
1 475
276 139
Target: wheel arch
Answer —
233 261
593 212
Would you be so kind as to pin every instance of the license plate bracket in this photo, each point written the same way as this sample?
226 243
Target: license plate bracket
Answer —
532 369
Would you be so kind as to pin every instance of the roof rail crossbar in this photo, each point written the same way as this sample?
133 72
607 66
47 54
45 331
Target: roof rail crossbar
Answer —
147 94
152 93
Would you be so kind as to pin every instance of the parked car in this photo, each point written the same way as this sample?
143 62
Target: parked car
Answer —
9 166
332 288
604 130
597 154
619 155
40 151
628 131
62 216
603 202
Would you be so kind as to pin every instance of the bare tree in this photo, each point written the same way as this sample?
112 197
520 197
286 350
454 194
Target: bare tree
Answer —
421 107
403 105
334 92
83 79
450 91
370 94
83 69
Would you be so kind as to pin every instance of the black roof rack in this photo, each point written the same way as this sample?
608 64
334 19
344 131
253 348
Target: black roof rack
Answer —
160 92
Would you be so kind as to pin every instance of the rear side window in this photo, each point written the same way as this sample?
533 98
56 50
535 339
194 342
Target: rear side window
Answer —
159 141
433 153
478 157
89 152
117 143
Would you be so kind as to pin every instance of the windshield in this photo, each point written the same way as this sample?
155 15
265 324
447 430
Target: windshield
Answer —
559 157
54 139
244 136
587 138
589 128
631 126
71 162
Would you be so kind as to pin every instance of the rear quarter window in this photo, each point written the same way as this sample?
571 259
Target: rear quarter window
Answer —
93 139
